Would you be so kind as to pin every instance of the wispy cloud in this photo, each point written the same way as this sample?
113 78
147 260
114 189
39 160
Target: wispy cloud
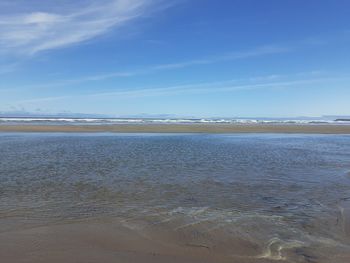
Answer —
7 68
267 82
203 88
229 56
256 52
32 32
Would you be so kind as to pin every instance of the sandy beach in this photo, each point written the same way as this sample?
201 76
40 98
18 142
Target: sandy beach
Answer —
110 242
184 128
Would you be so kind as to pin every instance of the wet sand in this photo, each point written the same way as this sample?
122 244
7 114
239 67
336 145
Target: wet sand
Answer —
113 242
110 242
185 128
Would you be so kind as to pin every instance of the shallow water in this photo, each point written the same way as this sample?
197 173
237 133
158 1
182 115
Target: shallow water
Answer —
281 197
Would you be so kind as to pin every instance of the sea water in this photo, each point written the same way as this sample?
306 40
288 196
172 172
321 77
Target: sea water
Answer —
285 196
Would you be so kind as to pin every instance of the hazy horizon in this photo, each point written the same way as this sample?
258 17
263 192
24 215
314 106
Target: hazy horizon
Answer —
26 114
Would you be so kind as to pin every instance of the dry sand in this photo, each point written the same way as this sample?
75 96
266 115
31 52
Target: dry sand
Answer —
185 128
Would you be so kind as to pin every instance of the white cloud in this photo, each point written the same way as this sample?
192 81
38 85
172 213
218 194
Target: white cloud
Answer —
35 31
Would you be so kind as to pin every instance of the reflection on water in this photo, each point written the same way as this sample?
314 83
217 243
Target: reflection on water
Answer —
283 196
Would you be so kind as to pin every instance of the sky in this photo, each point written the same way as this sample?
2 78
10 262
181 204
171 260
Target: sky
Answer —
198 58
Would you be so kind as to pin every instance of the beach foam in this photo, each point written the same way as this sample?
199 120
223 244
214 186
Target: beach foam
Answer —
166 121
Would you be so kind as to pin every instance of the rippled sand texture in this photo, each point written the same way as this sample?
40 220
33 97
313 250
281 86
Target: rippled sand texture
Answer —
174 198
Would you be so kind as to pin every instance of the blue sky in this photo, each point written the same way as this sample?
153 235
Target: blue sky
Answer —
198 58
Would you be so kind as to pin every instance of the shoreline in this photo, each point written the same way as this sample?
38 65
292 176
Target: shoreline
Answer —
110 241
182 128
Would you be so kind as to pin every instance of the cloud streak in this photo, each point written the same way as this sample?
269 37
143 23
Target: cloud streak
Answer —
4 69
32 32
204 88
256 52
196 88
230 56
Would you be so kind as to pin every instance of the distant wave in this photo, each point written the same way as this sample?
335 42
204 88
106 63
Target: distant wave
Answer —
97 121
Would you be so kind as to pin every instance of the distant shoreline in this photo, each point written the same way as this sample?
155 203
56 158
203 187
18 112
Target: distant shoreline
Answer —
183 128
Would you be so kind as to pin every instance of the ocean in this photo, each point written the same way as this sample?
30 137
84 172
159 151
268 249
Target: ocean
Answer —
106 121
262 196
